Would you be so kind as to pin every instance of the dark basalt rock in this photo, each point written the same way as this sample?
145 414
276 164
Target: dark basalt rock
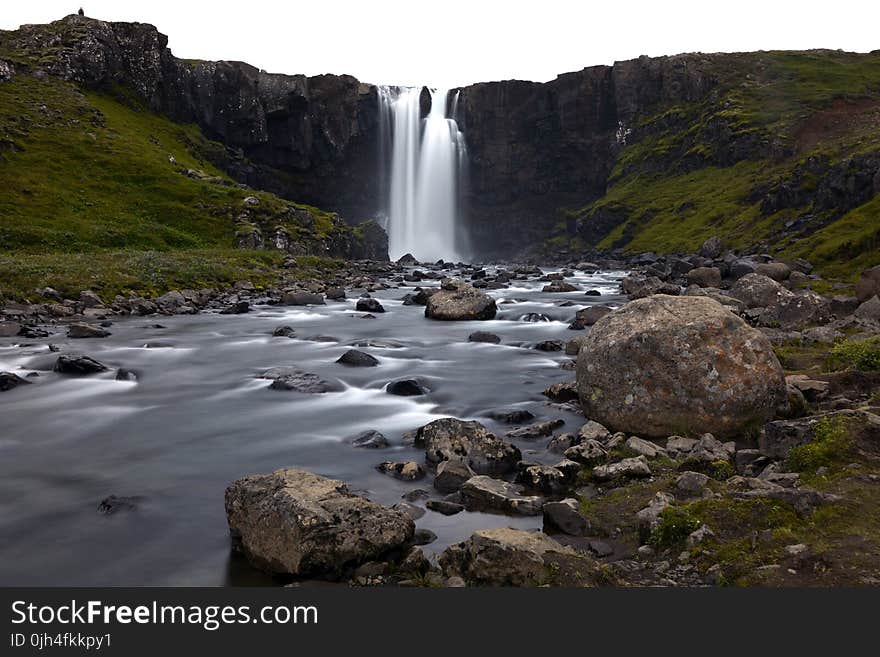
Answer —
405 388
284 332
8 381
484 336
75 365
369 305
356 358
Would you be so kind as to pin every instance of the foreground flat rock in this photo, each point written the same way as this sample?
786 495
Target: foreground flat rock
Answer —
513 557
665 365
294 522
457 301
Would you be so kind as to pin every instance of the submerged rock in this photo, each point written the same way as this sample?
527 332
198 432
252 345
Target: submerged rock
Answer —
8 381
294 522
458 301
484 336
665 364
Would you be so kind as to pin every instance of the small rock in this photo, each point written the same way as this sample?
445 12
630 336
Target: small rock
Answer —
484 336
357 358
370 439
75 365
405 388
482 493
451 475
565 516
86 331
406 471
644 447
115 503
369 305
284 332
444 507
534 431
692 482
631 468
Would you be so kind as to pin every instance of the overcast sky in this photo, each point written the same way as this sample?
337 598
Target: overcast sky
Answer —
457 42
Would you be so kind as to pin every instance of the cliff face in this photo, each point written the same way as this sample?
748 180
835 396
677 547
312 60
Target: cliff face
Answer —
309 138
651 154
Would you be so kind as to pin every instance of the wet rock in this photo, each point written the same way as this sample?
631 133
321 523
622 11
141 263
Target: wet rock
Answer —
484 336
511 415
8 381
302 299
562 392
86 331
357 358
298 523
565 516
533 318
562 442
416 495
422 537
444 507
291 378
405 388
691 482
237 308
76 365
483 493
550 345
512 557
369 305
632 468
405 471
116 503
705 276
449 439
407 260
451 475
534 431
558 287
413 511
458 301
284 332
663 363
335 293
369 439
123 374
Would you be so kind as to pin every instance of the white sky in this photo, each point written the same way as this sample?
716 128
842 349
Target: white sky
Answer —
456 42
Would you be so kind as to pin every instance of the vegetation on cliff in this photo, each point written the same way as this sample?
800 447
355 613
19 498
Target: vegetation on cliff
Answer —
783 155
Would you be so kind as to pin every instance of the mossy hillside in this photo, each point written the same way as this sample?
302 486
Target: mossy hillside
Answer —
691 171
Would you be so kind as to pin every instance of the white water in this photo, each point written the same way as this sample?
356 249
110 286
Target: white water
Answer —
426 166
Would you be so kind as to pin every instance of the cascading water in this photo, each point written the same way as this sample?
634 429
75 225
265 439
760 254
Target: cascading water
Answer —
426 163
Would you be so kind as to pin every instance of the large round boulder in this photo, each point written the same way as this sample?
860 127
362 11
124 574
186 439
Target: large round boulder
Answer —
670 365
458 300
294 522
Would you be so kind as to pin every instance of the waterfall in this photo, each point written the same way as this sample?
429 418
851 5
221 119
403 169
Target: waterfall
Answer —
426 164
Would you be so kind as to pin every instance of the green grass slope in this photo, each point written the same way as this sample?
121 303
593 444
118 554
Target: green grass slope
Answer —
776 119
98 192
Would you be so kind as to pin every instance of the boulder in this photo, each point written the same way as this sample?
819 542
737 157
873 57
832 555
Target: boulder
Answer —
565 516
513 557
90 300
458 300
292 378
869 284
539 430
369 305
632 468
405 388
294 522
357 358
405 471
691 482
778 271
8 381
484 336
705 276
75 365
757 291
869 310
302 299
449 439
86 331
369 439
451 475
9 329
483 493
712 247
589 452
665 364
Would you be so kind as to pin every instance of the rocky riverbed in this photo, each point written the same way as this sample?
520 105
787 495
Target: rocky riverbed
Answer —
424 425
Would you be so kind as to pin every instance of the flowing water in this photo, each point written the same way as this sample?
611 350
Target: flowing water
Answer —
197 419
426 164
